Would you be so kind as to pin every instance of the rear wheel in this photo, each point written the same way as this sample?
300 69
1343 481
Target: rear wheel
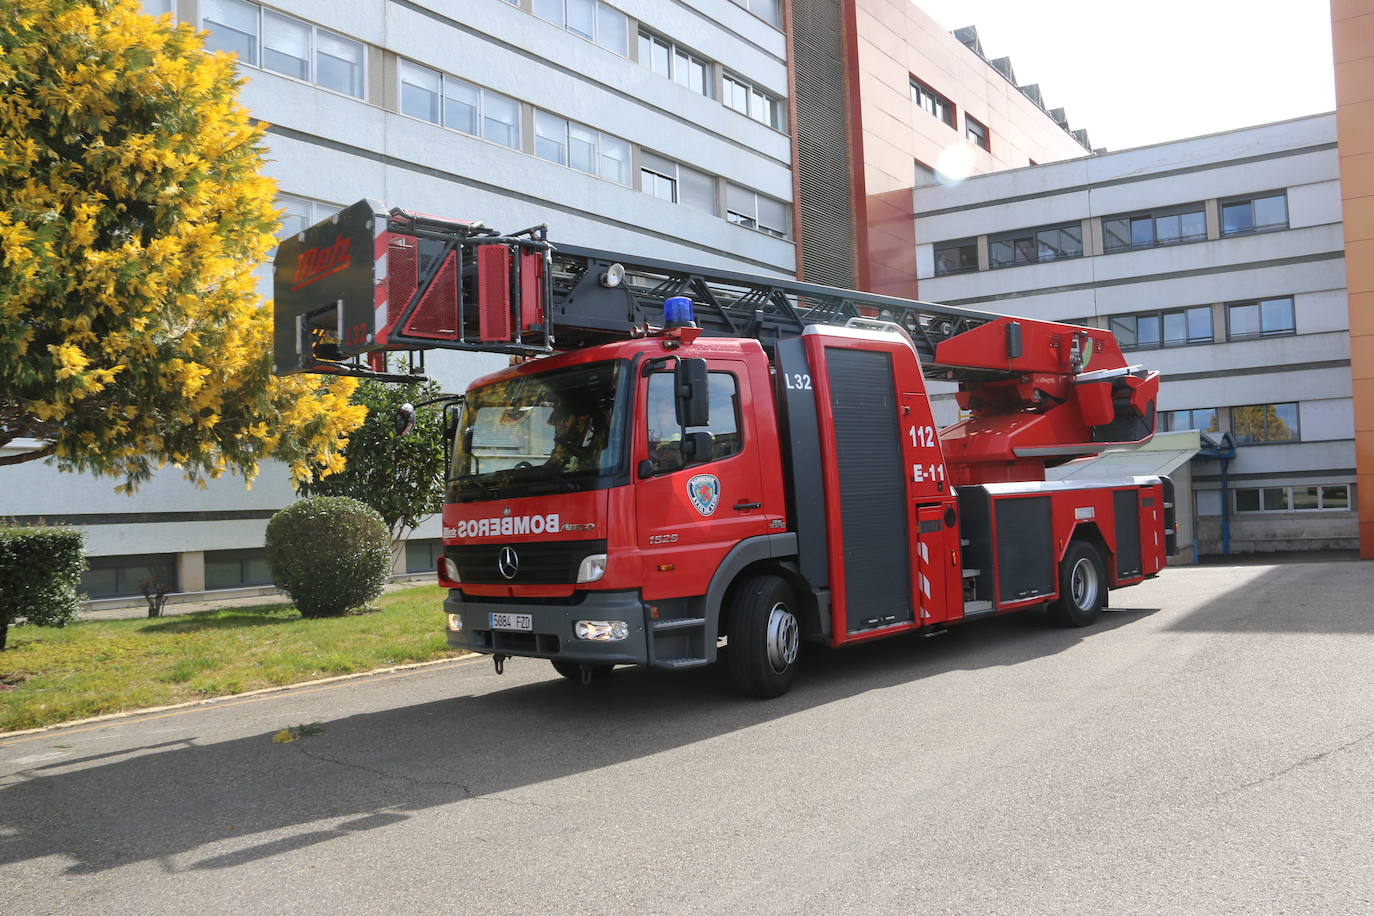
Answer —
1082 586
764 637
573 670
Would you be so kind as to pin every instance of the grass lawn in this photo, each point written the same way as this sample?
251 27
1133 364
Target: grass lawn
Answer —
86 669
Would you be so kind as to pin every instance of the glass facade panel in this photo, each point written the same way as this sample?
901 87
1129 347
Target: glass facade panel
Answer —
1274 498
615 159
233 27
422 555
1142 232
550 137
1244 320
582 148
956 257
123 576
1175 328
696 190
581 17
295 214
1336 497
501 119
420 91
1306 498
338 63
1123 327
1193 226
552 10
1236 218
1116 234
1247 500
736 95
461 105
1147 331
1271 212
612 30
1199 324
285 45
1276 316
1265 423
1167 229
773 216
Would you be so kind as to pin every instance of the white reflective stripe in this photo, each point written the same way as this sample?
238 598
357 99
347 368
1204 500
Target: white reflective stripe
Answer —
925 554
925 586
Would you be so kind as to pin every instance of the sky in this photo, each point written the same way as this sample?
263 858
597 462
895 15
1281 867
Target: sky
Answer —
1138 73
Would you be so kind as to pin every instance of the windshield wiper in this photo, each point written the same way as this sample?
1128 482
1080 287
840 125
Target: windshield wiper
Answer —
472 479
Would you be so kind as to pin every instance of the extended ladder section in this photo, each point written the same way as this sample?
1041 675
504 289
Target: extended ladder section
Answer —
364 283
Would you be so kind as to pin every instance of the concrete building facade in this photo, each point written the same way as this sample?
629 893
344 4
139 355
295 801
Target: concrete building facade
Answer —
638 126
1218 260
887 99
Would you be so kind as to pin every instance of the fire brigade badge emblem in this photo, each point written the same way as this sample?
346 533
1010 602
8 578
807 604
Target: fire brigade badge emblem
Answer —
704 492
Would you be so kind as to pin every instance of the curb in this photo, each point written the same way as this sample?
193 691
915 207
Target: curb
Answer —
210 701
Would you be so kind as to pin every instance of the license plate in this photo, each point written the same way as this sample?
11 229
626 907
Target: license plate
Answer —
512 622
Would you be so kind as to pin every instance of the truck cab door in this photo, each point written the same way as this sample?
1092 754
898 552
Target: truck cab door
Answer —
691 512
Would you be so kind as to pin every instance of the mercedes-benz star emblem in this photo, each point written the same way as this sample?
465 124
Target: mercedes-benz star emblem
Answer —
508 562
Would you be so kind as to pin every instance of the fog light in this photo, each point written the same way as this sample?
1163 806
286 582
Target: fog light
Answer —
592 568
603 630
455 621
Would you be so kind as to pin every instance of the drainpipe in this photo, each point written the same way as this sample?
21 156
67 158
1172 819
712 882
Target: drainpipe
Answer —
1225 509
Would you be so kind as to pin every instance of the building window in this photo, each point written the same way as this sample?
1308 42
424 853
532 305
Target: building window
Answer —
925 175
577 146
236 568
1294 499
744 207
1033 246
118 577
767 10
956 257
593 20
677 64
300 213
442 99
668 180
1146 230
288 45
1265 318
1202 419
1260 213
755 103
932 102
977 132
422 554
1265 423
1174 328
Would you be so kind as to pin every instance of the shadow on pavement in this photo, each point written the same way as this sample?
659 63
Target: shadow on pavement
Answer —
372 769
1308 596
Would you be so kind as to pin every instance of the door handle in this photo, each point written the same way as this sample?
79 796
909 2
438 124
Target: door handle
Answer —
743 506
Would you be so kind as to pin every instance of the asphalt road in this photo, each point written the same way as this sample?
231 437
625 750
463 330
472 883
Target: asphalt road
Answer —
1207 747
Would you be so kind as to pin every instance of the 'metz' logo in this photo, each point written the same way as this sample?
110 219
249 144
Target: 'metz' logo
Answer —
315 263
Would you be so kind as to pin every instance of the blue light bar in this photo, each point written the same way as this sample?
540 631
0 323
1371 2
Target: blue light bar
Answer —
677 313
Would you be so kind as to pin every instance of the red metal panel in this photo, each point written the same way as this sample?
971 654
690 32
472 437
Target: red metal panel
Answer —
436 317
402 277
531 289
493 292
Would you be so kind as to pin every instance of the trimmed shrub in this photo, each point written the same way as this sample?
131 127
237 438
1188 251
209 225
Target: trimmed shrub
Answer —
40 569
331 554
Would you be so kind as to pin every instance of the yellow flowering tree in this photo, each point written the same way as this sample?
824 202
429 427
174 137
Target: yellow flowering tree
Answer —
132 219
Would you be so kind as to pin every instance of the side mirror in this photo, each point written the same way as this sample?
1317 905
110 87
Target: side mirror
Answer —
697 447
693 401
404 421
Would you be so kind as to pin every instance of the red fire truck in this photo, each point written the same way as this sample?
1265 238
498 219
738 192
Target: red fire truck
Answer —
686 463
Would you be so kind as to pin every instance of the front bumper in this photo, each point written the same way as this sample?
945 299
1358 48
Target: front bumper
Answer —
552 636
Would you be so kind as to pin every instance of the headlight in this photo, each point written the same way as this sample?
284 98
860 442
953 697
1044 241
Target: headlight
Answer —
592 568
448 569
604 630
455 621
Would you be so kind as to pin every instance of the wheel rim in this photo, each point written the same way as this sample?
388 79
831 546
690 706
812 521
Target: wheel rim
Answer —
783 638
1083 584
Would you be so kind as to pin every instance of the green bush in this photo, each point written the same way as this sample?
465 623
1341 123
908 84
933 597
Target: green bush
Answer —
331 554
40 569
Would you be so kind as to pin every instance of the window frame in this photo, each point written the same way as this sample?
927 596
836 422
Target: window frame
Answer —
1258 305
981 140
1251 199
1154 216
755 224
920 90
595 37
708 89
1029 239
1290 504
775 5
955 244
313 69
1167 417
1162 340
741 443
1297 424
777 119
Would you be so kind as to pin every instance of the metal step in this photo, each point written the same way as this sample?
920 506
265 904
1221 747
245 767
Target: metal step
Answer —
677 623
974 608
970 573
680 662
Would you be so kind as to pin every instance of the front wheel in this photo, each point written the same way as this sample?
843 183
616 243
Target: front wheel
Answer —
764 637
1082 586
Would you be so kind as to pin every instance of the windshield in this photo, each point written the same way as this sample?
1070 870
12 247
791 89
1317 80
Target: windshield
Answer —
558 431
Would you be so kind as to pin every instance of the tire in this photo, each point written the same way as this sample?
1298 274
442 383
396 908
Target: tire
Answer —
573 670
1082 586
764 637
